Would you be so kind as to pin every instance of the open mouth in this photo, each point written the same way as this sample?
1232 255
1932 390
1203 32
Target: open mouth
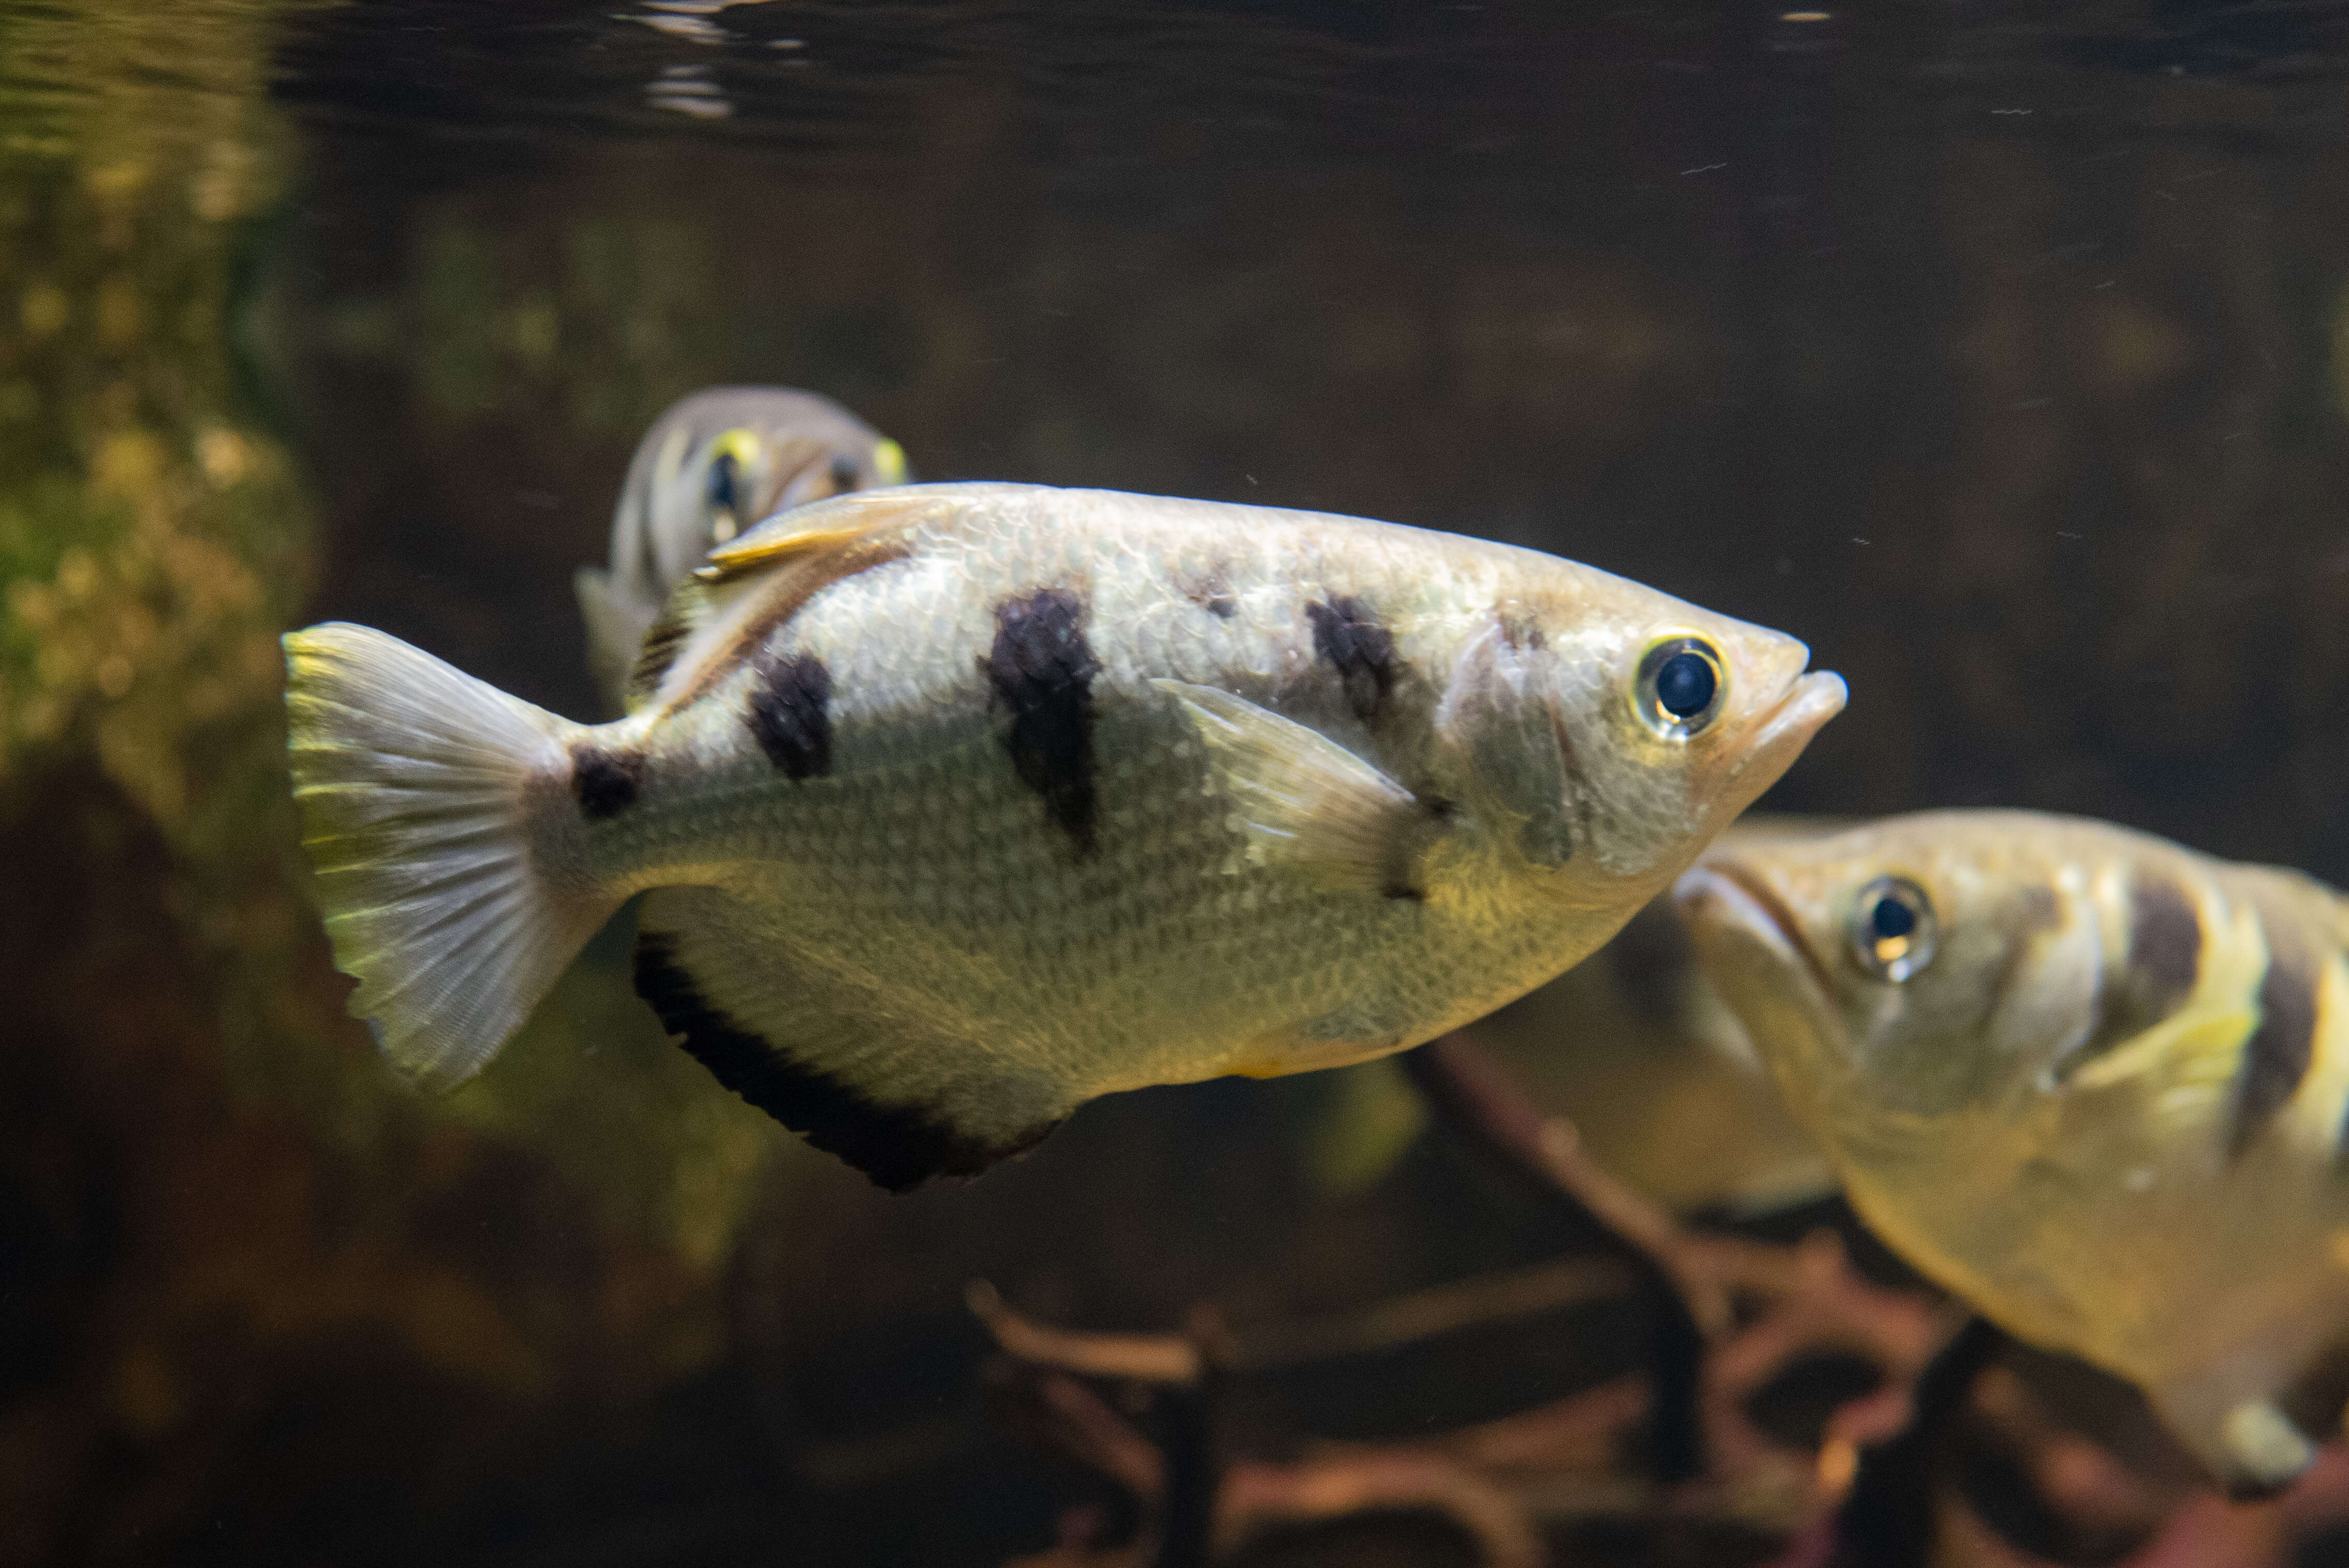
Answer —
1744 900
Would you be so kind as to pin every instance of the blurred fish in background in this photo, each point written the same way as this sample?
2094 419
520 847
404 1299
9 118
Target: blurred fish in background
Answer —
1635 1048
2089 1080
1658 1076
715 463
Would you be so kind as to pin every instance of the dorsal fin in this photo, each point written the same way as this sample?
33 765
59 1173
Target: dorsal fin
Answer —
761 548
716 618
828 524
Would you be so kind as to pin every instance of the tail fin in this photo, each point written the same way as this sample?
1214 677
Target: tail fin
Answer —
411 780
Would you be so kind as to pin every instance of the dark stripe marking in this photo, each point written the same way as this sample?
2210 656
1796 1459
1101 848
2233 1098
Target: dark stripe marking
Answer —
1212 592
897 1146
2278 1054
606 782
1348 635
790 714
2164 961
2164 951
1042 669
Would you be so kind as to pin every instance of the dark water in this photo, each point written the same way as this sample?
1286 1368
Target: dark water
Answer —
1997 350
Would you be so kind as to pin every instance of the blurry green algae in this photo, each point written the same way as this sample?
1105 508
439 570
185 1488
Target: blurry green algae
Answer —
156 536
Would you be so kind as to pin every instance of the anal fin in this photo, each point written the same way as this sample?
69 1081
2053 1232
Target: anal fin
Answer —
1304 801
896 1101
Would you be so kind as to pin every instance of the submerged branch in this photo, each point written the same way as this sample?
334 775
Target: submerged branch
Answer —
1471 1092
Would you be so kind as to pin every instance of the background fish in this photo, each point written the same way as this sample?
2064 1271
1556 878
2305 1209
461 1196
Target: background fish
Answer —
962 804
2090 1080
1637 1048
715 463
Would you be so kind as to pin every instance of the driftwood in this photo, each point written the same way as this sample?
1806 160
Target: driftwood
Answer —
1141 1411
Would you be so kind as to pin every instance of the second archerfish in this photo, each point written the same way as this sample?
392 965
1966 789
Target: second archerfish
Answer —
960 805
2091 1080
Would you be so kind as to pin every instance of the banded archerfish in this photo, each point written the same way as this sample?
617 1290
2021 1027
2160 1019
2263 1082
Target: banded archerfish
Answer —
2089 1080
956 806
714 464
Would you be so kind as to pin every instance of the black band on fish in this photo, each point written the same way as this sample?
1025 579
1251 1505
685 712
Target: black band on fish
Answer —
2278 1052
1042 669
2164 951
2164 961
790 714
898 1148
1349 636
606 782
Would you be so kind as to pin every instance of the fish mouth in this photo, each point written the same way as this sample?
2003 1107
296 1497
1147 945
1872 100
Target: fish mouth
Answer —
1752 950
1808 702
1722 896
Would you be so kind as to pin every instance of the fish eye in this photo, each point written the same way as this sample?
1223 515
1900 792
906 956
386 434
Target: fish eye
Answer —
1892 929
725 489
1681 686
843 474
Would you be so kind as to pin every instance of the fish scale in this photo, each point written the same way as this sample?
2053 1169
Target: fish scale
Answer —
957 806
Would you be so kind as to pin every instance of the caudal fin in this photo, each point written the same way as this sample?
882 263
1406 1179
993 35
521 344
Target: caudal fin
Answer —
412 778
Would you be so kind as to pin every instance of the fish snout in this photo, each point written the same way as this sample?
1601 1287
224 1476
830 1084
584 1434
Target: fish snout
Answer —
1751 948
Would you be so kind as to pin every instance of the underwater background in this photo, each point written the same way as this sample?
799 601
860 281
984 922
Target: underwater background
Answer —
2001 351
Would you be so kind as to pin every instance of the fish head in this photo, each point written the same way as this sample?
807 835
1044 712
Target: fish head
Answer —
1650 724
724 460
1915 985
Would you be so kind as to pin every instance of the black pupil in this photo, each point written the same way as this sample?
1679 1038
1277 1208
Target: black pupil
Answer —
843 474
1684 686
1893 918
722 480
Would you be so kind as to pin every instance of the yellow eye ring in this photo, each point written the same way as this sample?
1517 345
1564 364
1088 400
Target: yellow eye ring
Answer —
741 443
722 482
1682 686
1893 930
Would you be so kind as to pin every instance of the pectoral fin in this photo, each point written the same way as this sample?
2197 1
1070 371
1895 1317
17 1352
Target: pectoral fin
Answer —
1304 801
2180 1069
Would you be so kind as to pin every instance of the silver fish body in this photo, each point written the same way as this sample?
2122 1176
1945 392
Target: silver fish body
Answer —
960 805
2091 1081
716 463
